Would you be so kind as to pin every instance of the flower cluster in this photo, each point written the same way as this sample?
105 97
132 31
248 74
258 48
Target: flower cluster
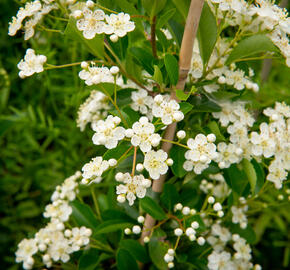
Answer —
54 242
93 74
167 109
35 11
93 170
93 109
271 141
131 187
202 152
218 188
93 21
31 64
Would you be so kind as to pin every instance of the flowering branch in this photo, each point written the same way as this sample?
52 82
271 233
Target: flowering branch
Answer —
189 35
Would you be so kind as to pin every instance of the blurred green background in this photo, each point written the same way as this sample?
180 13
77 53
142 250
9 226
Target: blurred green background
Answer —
40 144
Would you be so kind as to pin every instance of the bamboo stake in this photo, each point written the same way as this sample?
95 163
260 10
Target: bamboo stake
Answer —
189 35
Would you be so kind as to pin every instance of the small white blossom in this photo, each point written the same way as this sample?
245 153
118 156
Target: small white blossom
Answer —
119 24
141 101
94 75
31 64
155 163
93 170
143 135
132 187
167 110
107 132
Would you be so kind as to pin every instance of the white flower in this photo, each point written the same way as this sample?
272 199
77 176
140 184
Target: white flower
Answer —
277 173
155 163
200 154
59 210
143 135
141 101
227 114
222 232
227 155
14 26
239 215
93 109
119 24
94 169
79 237
132 187
92 23
167 110
219 261
60 250
94 75
107 132
263 144
26 248
31 64
243 250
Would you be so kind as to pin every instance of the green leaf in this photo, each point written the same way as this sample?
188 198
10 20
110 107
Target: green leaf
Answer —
136 249
125 260
157 250
182 6
236 178
177 154
183 96
118 152
251 174
106 88
153 7
152 208
157 76
255 174
185 107
202 103
164 18
169 196
207 33
95 46
251 46
112 226
83 215
171 66
89 259
133 116
144 58
213 126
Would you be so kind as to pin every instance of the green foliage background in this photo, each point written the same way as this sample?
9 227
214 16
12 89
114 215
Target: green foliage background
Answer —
40 144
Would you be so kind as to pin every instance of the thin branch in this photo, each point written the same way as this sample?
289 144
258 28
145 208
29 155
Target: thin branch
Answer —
153 37
189 35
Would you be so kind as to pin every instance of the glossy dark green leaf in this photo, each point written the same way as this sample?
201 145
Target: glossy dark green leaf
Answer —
157 76
144 58
185 107
251 46
153 7
169 196
202 103
163 19
136 249
177 154
95 46
152 208
113 225
236 178
83 215
157 250
171 66
125 260
207 33
89 259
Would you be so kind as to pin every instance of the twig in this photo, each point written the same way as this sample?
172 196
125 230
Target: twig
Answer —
189 35
153 37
